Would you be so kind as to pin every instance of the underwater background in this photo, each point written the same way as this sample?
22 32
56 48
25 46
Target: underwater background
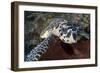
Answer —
36 22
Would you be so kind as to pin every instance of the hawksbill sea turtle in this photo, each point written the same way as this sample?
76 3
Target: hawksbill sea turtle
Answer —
66 31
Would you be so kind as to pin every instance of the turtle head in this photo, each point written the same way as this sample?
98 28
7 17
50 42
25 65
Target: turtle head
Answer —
71 32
